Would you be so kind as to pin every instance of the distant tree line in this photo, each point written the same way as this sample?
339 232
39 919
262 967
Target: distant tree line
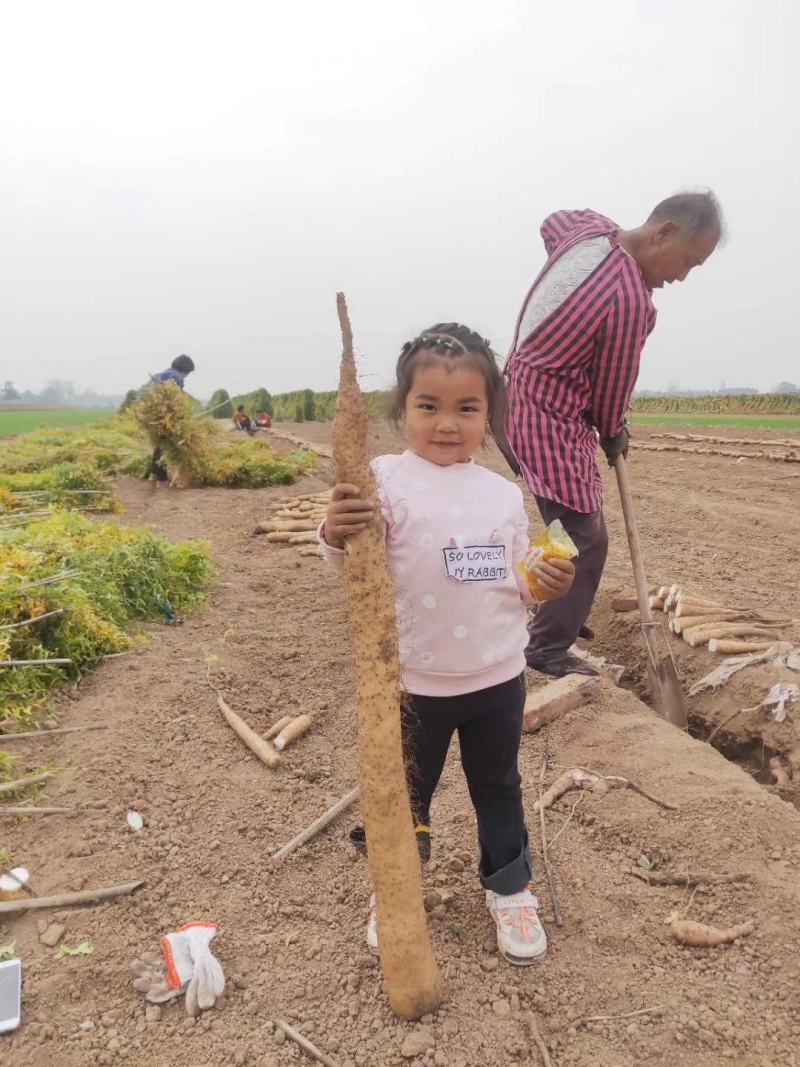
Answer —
57 393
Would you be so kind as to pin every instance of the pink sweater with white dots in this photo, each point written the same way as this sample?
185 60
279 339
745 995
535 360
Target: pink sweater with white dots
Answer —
453 538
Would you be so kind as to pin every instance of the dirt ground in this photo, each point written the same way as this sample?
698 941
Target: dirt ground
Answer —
275 638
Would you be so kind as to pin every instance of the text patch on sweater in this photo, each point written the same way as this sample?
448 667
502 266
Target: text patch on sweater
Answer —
476 563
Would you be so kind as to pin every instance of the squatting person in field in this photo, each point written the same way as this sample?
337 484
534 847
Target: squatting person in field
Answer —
455 533
571 371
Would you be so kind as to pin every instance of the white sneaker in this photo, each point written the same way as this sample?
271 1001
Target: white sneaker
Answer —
520 935
372 928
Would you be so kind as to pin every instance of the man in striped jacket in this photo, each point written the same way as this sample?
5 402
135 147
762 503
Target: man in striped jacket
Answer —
571 372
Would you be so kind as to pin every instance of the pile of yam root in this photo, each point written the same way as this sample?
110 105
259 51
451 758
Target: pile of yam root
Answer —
296 521
724 629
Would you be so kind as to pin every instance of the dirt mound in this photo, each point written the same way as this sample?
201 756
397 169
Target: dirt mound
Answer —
291 939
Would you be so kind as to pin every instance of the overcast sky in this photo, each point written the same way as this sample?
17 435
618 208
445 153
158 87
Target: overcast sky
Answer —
202 177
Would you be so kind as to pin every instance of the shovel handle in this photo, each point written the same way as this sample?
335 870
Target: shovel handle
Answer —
629 515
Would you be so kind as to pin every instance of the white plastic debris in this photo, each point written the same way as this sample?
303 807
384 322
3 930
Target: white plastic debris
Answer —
779 696
14 880
135 821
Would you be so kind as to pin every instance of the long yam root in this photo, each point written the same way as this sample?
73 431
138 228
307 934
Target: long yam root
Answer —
412 976
701 635
700 934
722 646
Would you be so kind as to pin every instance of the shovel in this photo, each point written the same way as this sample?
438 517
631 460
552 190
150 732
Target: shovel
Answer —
665 684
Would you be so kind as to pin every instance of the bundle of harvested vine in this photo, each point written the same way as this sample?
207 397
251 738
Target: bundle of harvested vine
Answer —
726 629
296 519
166 416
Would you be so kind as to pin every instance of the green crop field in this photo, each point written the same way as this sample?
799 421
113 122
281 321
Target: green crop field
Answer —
699 418
14 422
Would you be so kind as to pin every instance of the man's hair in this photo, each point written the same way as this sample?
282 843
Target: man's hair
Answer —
240 407
184 364
696 212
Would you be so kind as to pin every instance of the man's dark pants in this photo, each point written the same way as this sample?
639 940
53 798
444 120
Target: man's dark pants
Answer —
557 622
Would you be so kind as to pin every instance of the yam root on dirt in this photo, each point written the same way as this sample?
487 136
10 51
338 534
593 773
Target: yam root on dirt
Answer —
412 976
279 537
722 646
294 729
276 727
317 826
687 622
574 779
580 778
701 635
69 900
263 749
308 538
783 779
284 526
703 935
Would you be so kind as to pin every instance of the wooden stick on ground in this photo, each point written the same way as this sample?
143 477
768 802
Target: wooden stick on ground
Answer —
36 811
615 1018
68 900
39 734
551 881
665 878
536 1037
30 622
305 1044
23 783
317 825
32 662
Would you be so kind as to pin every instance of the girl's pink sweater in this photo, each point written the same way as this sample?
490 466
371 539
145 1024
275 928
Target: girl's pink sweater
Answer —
453 538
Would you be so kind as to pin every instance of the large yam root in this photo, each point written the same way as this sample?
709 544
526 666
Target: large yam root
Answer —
580 778
701 635
700 934
409 967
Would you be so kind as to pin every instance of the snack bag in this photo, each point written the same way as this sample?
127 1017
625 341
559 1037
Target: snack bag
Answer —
554 543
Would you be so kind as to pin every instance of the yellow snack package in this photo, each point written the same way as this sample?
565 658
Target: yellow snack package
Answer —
554 543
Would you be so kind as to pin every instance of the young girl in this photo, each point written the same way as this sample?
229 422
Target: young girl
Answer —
454 534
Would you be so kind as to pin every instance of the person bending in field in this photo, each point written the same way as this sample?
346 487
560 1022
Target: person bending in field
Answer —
455 532
177 372
242 421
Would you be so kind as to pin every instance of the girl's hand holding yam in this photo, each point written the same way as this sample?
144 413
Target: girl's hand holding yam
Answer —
348 514
554 578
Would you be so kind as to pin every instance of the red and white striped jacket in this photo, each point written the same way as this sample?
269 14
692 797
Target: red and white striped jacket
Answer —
573 377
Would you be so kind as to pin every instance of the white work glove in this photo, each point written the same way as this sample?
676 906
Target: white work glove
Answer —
187 967
150 977
207 981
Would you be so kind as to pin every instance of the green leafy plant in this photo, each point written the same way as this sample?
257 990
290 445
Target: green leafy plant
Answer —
83 948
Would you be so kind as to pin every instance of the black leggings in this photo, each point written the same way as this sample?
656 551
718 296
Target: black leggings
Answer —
489 725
